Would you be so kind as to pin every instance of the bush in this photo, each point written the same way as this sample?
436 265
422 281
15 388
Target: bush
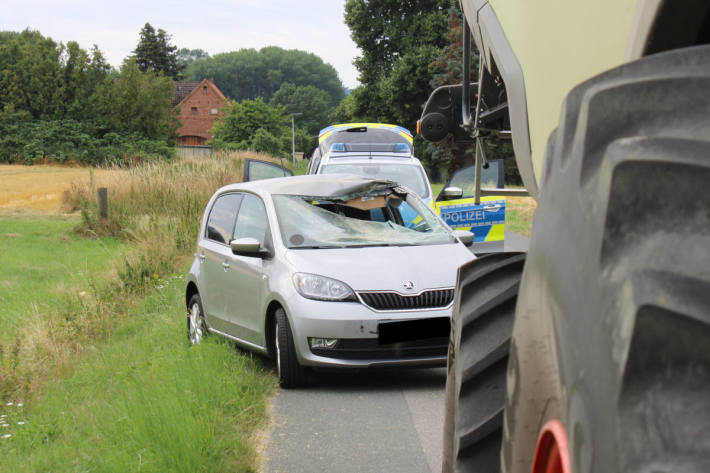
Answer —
31 141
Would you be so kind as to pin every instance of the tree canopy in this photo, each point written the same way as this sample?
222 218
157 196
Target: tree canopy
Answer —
187 56
137 101
61 102
258 126
45 79
314 103
154 53
399 42
249 74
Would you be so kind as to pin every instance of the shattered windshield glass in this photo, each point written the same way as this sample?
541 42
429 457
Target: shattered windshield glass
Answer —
392 220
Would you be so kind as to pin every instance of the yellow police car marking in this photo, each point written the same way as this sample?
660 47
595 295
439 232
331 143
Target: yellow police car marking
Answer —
497 232
407 136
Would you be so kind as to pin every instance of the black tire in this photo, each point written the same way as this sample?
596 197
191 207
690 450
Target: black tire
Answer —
481 327
612 330
289 371
196 325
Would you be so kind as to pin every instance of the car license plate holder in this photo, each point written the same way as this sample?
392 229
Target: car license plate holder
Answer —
409 330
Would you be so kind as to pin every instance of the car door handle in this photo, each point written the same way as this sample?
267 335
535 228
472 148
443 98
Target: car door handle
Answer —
225 265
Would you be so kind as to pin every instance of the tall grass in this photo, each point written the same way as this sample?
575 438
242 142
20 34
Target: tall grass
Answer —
136 398
157 206
145 402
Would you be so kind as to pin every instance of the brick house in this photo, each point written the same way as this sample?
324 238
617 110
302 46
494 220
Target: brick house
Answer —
200 103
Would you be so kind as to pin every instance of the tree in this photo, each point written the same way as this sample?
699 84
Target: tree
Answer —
188 56
252 124
399 42
154 53
314 103
137 102
248 73
31 75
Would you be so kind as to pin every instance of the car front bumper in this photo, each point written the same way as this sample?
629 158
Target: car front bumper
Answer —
356 326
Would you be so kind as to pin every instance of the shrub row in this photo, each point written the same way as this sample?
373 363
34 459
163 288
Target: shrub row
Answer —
61 141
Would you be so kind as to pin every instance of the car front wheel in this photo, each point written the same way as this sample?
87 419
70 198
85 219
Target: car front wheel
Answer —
290 372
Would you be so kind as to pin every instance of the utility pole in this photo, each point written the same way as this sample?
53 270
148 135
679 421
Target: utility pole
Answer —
293 138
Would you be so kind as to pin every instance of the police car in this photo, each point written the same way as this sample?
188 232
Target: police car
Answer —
385 151
456 204
375 150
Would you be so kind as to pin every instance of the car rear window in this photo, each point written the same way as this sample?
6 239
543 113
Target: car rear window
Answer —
405 174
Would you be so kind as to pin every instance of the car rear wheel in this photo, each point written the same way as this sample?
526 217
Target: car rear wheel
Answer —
196 327
290 372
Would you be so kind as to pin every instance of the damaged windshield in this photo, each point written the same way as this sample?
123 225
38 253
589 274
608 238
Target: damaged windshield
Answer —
380 220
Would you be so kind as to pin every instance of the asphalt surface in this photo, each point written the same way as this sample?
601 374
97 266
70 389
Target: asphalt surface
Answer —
386 421
381 421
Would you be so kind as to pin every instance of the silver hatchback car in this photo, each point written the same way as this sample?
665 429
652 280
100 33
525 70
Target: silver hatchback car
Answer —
325 271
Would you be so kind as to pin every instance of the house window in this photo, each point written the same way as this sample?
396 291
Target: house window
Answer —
193 111
204 89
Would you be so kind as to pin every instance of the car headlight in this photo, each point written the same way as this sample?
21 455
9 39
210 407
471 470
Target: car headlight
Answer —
312 286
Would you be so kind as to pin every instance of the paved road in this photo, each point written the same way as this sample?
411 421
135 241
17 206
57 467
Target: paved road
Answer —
384 421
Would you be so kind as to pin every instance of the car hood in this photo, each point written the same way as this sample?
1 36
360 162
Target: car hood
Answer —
385 268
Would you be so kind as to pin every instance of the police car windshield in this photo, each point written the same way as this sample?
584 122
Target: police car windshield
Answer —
362 221
405 174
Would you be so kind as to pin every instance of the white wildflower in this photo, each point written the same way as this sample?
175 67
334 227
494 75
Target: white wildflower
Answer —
7 436
9 404
21 423
19 404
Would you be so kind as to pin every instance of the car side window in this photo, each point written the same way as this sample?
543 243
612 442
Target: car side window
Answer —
221 220
251 221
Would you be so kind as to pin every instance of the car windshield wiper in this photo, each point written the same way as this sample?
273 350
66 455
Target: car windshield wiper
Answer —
360 245
316 247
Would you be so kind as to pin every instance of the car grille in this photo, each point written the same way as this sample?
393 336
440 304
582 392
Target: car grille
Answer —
433 299
371 349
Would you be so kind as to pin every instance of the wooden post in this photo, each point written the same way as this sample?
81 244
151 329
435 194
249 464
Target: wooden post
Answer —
103 202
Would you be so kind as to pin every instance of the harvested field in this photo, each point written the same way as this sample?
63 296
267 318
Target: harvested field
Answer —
41 187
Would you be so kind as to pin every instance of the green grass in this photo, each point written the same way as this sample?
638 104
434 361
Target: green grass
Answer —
42 260
138 399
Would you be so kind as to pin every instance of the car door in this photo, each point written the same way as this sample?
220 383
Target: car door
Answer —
255 170
246 285
214 253
487 220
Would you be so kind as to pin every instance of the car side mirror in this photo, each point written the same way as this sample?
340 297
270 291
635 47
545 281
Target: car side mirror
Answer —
452 192
465 236
247 247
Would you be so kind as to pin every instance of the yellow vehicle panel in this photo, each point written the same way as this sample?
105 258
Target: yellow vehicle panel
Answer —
571 40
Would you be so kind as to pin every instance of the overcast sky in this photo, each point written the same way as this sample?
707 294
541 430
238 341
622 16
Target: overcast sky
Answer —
216 26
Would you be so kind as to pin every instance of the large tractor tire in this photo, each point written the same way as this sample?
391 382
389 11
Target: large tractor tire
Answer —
609 365
612 332
481 328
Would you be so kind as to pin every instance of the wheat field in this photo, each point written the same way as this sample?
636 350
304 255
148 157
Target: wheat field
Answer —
41 187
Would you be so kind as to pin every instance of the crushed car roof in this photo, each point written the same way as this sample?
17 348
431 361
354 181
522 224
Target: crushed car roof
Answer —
340 186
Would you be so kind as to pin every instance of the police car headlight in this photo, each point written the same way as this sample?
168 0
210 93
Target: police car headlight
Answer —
312 286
